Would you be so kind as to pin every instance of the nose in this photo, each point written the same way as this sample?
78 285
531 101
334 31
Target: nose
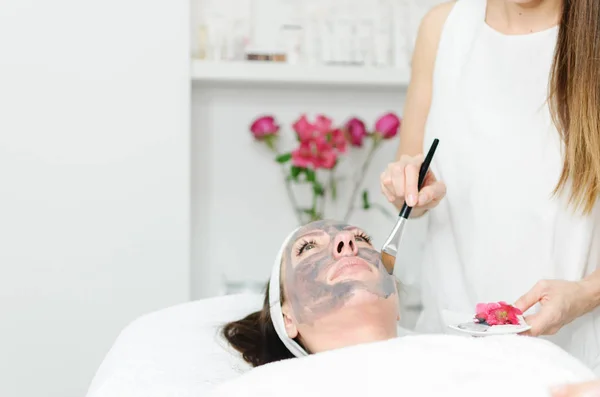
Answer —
344 244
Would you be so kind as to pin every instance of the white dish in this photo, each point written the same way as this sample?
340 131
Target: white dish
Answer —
475 329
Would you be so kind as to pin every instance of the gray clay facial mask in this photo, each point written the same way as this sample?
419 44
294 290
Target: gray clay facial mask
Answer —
308 258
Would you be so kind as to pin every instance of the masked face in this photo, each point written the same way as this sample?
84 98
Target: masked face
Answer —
329 266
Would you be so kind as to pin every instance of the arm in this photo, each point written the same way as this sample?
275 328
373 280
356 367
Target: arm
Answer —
418 97
591 284
402 175
561 302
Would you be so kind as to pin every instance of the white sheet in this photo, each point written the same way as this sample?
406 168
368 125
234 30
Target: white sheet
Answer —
177 351
424 365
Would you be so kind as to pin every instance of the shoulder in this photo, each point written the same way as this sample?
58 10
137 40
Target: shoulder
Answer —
429 35
440 11
434 20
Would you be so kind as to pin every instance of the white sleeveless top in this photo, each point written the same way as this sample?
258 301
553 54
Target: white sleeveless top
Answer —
500 230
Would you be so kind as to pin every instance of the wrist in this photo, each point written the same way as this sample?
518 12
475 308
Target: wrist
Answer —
591 292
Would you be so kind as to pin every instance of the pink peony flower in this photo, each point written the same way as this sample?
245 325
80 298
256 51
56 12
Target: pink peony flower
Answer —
314 154
497 313
302 157
338 140
320 143
387 125
356 131
304 129
323 124
326 160
264 126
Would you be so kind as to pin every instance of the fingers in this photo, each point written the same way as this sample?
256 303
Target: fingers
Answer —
532 297
397 172
434 192
393 191
549 318
411 177
577 390
525 302
386 186
400 180
536 327
546 322
405 178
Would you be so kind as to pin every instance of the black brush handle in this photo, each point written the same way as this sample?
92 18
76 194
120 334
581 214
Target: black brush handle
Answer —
405 211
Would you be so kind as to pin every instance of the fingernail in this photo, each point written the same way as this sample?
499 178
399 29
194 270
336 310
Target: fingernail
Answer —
410 200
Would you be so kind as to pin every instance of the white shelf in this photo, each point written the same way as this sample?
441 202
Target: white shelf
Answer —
281 73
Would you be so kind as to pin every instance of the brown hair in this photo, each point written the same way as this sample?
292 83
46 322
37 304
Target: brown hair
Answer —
255 337
575 99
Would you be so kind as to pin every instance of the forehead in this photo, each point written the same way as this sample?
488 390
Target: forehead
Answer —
326 226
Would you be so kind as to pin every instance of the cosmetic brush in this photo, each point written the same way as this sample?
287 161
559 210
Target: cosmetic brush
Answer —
390 247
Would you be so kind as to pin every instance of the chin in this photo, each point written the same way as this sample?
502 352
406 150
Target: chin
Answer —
367 309
361 296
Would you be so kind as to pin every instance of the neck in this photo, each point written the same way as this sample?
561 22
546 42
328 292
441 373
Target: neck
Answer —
523 18
349 329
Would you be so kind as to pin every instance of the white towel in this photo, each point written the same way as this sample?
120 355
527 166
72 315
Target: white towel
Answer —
419 365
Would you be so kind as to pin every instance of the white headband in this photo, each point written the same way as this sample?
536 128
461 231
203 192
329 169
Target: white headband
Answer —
275 304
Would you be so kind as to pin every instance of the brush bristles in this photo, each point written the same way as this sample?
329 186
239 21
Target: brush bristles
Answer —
388 262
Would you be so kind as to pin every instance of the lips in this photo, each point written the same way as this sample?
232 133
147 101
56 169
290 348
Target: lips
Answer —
348 266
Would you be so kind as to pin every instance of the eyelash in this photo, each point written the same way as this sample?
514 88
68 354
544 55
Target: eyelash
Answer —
305 243
364 237
303 246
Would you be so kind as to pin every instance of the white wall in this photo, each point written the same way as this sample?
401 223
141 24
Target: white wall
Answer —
94 181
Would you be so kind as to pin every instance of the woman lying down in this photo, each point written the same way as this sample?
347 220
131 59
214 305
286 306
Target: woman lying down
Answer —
330 299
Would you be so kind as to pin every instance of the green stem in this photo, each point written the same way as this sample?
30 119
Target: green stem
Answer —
324 197
292 198
314 213
363 172
333 185
288 186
